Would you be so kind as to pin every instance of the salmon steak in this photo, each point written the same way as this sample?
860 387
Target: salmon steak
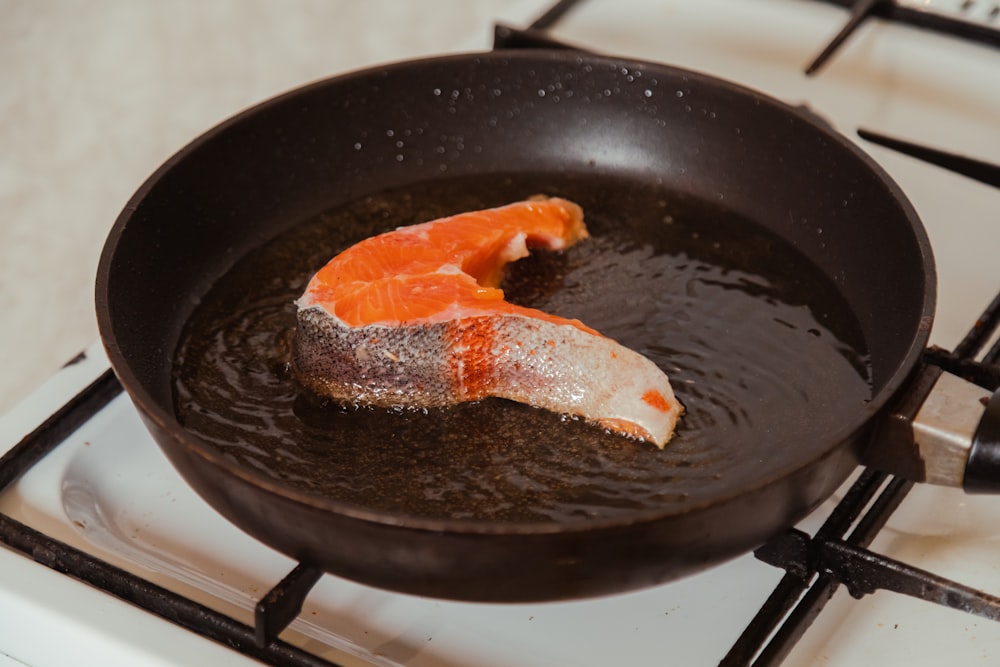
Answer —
415 318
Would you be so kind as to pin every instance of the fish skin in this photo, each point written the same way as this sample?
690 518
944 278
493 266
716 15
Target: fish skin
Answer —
476 344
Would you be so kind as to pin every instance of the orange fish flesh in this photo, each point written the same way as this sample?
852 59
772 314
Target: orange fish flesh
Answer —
415 318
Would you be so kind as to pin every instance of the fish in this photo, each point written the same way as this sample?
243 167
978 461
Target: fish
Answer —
416 318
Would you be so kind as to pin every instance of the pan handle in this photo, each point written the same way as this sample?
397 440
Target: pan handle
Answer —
982 470
945 431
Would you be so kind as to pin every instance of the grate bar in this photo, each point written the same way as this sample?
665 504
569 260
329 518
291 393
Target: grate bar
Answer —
60 425
929 15
860 10
978 170
863 572
283 603
553 14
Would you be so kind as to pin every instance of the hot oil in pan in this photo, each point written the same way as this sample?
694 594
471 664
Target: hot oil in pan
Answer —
758 344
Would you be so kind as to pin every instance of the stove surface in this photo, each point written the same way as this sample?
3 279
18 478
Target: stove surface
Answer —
110 491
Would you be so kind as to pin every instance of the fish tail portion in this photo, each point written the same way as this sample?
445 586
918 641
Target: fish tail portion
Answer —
565 369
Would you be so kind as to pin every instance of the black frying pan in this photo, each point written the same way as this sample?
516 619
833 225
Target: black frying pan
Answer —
616 128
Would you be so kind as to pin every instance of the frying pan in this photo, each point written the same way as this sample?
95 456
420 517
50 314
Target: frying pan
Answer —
261 172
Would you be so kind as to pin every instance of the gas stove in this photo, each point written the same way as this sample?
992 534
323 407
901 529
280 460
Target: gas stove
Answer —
171 582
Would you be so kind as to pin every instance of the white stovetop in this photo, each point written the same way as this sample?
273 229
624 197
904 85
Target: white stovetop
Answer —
98 95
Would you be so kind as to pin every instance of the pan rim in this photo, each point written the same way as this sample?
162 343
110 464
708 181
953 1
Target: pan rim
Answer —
166 420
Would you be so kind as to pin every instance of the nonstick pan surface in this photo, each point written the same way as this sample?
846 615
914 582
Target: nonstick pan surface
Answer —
669 165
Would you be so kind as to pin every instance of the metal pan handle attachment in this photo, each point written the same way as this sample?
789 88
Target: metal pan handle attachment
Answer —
945 431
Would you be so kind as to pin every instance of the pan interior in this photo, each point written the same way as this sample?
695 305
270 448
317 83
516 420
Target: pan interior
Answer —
760 347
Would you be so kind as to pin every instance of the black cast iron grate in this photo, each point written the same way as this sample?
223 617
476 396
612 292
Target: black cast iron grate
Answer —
972 20
816 566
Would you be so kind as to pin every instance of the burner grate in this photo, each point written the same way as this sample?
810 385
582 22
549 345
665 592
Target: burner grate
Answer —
104 576
972 20
817 566
794 600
